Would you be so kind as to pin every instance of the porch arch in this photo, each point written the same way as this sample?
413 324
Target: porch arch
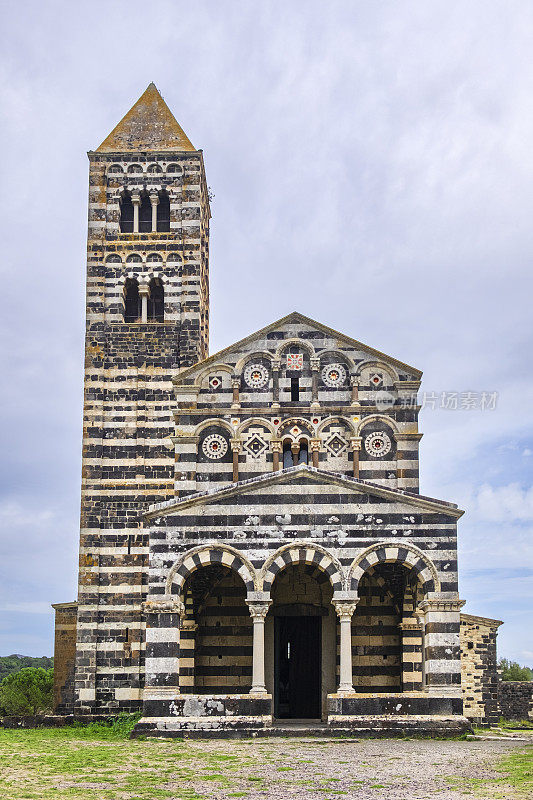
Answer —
388 552
302 553
207 555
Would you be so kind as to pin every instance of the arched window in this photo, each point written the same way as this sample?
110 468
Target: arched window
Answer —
163 212
303 456
145 214
132 302
156 301
126 213
287 454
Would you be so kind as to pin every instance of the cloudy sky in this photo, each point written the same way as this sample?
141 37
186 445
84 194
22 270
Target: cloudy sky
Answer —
372 165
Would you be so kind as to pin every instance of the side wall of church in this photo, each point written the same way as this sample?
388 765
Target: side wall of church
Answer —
128 461
479 668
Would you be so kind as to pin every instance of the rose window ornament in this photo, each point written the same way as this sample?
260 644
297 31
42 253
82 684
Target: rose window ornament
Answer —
256 376
214 446
378 444
334 375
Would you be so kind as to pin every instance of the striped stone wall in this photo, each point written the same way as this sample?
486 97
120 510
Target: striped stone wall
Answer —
128 460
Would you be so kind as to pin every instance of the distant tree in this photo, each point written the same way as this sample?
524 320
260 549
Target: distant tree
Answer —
15 663
28 691
512 671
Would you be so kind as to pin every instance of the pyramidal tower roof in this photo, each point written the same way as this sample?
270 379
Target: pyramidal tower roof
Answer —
148 125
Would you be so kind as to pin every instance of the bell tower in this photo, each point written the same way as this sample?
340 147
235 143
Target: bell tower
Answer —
147 316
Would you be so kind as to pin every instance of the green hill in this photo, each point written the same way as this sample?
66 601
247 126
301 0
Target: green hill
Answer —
14 663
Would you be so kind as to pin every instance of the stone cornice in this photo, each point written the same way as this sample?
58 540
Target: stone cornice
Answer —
303 471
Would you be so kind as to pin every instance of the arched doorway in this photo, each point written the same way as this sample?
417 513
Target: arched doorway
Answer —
300 642
216 633
386 642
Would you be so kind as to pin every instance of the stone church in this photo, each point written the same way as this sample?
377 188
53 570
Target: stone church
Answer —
254 548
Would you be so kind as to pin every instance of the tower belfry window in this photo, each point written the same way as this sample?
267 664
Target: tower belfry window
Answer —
132 301
156 301
163 212
295 389
145 214
287 455
126 213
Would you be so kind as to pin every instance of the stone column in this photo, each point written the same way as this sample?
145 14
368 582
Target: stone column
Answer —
154 199
136 202
163 618
236 445
275 446
355 443
345 609
412 656
315 449
315 366
236 386
354 383
258 611
442 657
276 365
295 447
144 292
187 649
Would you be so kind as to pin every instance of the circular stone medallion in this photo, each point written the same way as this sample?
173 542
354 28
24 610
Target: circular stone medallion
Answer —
256 376
378 444
214 446
334 375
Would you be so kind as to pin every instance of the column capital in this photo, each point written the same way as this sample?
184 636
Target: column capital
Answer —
236 445
258 608
136 198
354 380
315 444
276 364
410 625
315 363
440 601
355 442
144 288
345 608
276 445
154 198
235 383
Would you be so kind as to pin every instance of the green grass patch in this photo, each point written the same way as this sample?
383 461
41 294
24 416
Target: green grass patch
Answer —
515 771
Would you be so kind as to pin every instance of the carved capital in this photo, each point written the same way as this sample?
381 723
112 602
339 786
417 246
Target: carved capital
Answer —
355 442
315 364
276 445
345 609
315 444
144 289
258 610
154 198
136 198
236 445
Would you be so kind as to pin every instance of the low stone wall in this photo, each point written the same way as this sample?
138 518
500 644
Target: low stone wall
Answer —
516 699
479 671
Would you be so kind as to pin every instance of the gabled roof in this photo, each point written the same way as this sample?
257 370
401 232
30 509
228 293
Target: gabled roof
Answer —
295 316
298 475
148 125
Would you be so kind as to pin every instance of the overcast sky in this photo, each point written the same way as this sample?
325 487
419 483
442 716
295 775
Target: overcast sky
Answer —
372 166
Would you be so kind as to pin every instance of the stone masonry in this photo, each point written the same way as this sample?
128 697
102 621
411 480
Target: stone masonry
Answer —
253 546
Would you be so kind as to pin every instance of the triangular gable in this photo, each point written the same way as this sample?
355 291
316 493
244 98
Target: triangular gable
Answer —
295 316
148 125
298 475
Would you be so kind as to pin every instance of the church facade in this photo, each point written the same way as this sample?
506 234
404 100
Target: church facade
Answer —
254 547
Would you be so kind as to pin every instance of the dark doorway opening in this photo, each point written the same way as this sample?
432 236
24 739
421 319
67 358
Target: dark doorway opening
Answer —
297 667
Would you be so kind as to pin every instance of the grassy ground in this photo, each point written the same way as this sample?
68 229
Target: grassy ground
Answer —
98 763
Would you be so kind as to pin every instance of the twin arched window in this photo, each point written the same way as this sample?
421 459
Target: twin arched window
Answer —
144 306
298 455
142 212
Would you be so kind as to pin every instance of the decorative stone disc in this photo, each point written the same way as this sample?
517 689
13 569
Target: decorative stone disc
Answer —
378 444
256 376
214 446
334 375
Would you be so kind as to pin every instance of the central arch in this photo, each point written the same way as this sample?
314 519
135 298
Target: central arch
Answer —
302 552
